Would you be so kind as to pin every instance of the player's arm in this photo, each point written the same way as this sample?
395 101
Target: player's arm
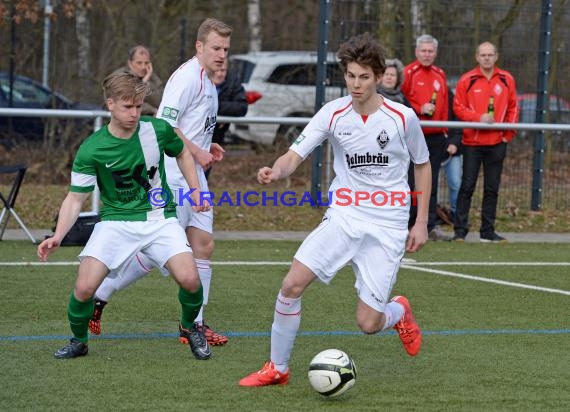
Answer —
418 233
204 158
188 168
68 213
283 167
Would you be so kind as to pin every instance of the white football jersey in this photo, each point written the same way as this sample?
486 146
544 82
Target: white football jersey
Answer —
371 158
189 103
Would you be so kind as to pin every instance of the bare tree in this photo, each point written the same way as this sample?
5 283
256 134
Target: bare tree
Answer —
387 29
253 22
418 18
83 34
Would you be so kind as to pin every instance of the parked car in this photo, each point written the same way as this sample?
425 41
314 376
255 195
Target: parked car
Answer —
281 84
558 110
29 94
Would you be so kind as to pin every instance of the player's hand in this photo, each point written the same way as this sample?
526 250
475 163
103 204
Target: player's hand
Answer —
427 109
46 247
451 149
266 175
204 159
217 151
201 204
487 118
417 237
148 74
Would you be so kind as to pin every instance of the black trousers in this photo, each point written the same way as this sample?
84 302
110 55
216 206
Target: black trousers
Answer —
491 157
437 147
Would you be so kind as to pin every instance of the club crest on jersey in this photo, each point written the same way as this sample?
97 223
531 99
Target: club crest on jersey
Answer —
383 139
170 113
498 89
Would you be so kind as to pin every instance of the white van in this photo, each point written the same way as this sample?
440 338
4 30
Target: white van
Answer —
282 84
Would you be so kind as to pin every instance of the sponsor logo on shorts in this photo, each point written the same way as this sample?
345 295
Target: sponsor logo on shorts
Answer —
379 300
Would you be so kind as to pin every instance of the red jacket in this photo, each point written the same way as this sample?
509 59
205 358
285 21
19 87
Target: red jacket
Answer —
420 82
472 100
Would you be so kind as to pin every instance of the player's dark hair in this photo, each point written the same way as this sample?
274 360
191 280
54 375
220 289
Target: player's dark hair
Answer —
364 50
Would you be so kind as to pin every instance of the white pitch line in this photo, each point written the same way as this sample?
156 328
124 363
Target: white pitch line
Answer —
39 263
487 280
278 263
410 265
488 263
225 263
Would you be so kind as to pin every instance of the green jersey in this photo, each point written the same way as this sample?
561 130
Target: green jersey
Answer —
129 172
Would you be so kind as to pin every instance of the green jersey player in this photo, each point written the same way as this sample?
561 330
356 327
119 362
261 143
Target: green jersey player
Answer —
126 160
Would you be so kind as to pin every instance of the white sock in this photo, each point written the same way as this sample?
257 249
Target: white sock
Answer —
205 272
138 267
393 313
286 322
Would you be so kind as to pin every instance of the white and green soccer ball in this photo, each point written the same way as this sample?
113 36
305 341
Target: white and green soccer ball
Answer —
332 372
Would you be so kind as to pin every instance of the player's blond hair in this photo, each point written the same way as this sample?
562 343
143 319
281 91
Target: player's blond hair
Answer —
124 86
209 25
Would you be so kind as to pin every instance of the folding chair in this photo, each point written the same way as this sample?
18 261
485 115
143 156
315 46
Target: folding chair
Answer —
20 171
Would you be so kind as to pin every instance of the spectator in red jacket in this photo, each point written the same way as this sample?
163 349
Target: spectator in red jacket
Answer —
485 94
425 87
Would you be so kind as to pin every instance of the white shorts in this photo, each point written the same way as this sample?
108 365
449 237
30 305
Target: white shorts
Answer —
187 217
374 251
115 243
200 220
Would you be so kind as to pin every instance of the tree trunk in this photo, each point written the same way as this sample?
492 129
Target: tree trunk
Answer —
253 22
82 32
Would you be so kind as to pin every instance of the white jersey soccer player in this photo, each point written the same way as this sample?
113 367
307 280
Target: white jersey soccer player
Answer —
371 156
373 141
190 104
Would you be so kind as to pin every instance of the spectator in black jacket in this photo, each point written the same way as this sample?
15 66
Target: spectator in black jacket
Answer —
231 102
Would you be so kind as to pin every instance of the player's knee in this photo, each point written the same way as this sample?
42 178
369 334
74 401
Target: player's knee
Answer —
84 292
204 249
190 282
368 325
290 289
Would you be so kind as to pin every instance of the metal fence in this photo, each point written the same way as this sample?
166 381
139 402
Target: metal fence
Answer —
517 179
516 189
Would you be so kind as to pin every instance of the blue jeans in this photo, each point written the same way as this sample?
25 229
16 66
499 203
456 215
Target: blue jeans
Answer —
453 173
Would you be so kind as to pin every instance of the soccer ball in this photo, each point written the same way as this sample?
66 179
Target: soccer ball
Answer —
332 372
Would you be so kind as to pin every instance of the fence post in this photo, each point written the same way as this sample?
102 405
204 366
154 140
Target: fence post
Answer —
97 124
542 102
324 20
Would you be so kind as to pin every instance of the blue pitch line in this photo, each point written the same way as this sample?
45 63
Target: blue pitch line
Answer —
315 333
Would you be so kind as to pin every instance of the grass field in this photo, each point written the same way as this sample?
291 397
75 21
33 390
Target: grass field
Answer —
496 322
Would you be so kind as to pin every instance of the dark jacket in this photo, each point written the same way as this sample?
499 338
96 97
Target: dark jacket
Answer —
454 135
231 102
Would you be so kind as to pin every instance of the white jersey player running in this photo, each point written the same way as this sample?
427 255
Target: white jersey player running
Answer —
190 105
373 141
